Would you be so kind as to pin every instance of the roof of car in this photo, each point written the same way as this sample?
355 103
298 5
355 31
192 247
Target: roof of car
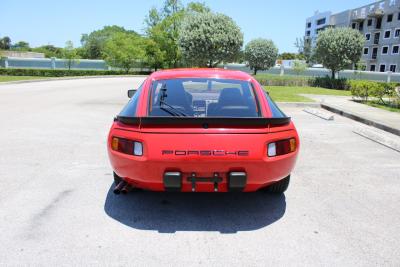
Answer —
200 73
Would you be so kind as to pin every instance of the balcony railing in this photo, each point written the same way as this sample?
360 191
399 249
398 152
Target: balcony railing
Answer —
376 13
358 16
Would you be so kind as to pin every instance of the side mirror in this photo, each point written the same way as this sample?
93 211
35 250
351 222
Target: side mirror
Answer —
131 93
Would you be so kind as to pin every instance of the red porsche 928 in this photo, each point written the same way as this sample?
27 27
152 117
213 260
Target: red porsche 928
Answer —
202 130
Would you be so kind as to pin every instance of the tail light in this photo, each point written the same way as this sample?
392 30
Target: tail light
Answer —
281 147
127 146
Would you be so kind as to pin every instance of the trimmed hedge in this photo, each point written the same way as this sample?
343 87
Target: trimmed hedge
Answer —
379 90
284 81
324 82
62 73
328 82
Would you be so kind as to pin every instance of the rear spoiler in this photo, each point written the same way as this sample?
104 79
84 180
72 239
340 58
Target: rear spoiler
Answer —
205 122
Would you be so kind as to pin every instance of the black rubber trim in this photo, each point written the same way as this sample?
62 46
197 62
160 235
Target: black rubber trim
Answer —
128 120
201 121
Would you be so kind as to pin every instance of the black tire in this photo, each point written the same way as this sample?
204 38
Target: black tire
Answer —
117 179
279 187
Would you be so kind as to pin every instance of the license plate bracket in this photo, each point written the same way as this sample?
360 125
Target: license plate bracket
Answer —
215 179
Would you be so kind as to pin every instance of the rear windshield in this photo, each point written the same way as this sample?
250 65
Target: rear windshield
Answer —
203 98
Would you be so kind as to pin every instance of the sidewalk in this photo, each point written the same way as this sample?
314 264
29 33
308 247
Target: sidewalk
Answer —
379 118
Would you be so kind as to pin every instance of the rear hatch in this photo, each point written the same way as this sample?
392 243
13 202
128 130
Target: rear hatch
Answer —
216 139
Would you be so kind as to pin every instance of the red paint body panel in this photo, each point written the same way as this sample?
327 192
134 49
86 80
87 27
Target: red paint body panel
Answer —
147 171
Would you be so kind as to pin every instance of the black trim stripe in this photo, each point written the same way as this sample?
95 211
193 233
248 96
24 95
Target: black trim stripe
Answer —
201 121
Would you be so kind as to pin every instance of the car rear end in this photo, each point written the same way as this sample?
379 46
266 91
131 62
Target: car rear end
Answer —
202 139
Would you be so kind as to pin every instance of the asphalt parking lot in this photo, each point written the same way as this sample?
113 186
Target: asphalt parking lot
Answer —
57 206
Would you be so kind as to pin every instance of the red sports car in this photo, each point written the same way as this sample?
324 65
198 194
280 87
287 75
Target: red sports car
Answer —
202 130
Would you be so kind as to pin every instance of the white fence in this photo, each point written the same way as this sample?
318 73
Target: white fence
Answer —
321 72
52 63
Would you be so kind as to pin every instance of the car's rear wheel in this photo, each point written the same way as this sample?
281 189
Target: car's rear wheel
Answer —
279 187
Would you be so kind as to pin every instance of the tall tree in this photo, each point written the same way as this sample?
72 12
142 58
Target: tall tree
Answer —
124 50
288 56
49 51
5 43
162 26
260 54
70 54
304 48
338 48
21 46
207 39
153 18
154 57
93 43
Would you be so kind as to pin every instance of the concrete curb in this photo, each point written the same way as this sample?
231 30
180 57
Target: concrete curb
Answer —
383 139
358 118
316 112
298 104
71 78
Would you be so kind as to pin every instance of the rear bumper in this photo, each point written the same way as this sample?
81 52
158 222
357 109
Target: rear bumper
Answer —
149 174
170 152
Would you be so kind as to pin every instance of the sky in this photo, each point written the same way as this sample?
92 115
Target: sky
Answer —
42 22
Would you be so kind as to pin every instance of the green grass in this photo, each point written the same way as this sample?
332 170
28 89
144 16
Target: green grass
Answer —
18 78
291 94
385 107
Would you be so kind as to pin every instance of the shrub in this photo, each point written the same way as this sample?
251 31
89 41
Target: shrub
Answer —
62 73
361 89
299 67
329 83
379 90
275 80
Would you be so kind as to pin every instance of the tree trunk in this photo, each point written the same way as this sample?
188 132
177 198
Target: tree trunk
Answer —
255 71
333 74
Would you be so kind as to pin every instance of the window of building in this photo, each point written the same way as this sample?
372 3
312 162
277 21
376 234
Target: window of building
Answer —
393 68
361 26
392 2
396 33
385 50
370 22
378 23
374 53
372 67
398 16
321 21
390 18
368 36
377 36
382 68
387 34
308 33
395 50
308 24
366 50
353 25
